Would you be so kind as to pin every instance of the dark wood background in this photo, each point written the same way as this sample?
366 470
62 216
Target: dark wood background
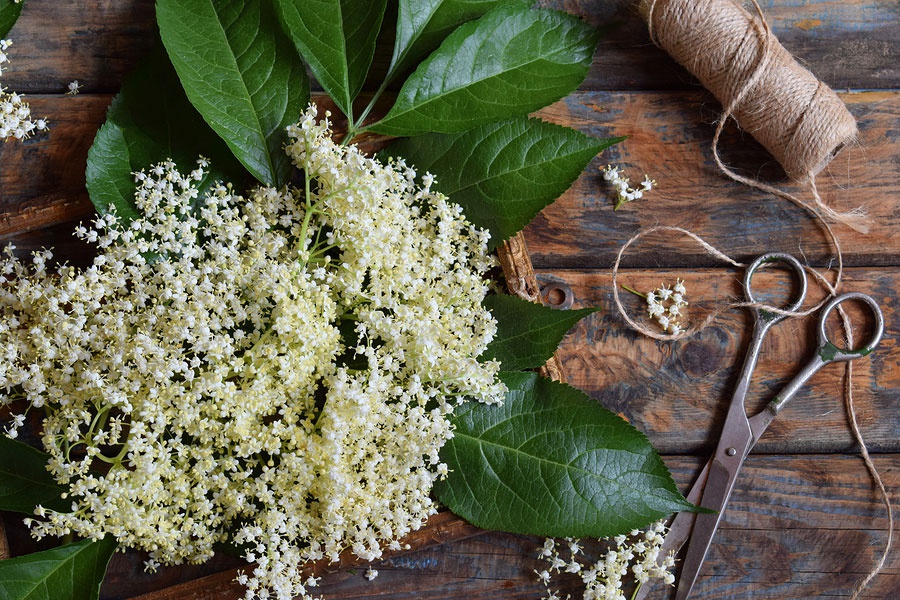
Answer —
805 519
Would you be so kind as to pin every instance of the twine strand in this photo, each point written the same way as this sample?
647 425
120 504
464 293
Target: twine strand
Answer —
718 254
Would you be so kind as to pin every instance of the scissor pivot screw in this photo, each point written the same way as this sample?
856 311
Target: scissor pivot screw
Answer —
730 451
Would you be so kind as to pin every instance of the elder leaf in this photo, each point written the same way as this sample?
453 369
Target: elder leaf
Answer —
337 40
511 61
9 14
25 481
503 174
151 120
423 24
71 572
527 333
552 462
240 72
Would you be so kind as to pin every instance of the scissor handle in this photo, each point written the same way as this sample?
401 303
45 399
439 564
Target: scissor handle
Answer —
829 351
794 304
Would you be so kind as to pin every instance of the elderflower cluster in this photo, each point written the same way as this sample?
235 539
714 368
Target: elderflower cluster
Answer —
637 554
665 304
272 370
15 113
624 191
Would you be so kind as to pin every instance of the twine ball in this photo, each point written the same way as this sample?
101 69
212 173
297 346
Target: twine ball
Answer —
796 117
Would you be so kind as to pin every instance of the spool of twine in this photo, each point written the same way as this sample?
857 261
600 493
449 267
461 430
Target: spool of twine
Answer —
796 117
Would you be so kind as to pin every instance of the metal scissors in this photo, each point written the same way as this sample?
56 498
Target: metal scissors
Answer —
740 433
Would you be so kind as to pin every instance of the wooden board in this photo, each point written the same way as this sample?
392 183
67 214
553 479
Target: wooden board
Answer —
805 520
850 44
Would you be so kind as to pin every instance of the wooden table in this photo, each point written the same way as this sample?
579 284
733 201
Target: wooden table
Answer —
805 519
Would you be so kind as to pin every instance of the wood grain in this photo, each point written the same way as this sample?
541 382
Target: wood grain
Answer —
851 44
669 137
42 185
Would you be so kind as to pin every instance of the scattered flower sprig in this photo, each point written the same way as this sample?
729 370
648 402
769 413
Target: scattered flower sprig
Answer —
15 114
624 192
637 553
665 304
73 88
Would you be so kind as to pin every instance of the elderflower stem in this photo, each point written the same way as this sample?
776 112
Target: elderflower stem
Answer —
634 291
357 128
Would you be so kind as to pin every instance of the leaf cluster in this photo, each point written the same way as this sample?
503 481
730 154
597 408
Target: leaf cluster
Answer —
226 80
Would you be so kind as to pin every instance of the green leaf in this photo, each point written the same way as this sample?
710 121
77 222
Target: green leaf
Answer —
9 14
527 333
70 572
423 24
151 120
503 174
337 39
240 72
25 481
510 62
552 462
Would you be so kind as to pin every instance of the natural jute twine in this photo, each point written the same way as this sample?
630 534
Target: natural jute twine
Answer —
796 117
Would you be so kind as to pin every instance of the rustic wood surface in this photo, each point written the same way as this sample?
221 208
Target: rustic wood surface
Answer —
805 519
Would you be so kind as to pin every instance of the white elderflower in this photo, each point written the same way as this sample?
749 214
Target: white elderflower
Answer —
622 185
73 88
278 375
630 559
665 304
15 113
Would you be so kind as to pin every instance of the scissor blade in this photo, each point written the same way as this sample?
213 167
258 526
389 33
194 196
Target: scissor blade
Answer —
715 497
680 527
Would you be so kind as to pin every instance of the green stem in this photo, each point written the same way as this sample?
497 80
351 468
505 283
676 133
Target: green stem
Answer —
634 291
637 588
356 127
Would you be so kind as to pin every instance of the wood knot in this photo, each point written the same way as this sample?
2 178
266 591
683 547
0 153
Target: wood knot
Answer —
699 358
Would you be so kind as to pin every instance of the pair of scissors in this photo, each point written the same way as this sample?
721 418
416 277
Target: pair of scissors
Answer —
740 433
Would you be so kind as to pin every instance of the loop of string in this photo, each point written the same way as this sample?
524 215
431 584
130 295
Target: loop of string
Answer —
718 254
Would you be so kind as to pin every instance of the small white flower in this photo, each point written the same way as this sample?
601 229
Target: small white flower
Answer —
151 565
371 573
624 191
73 88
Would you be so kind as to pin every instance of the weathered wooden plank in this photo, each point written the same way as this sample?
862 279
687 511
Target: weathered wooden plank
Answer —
42 179
41 184
849 45
852 44
97 43
669 138
678 392
797 526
